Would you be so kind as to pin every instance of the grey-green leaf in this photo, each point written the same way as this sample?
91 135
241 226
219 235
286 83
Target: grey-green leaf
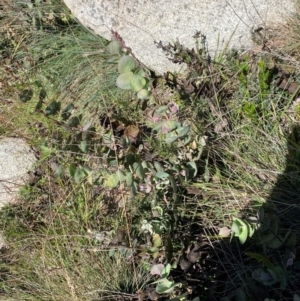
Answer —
162 175
123 81
126 64
129 179
169 126
72 169
79 176
171 137
120 175
158 126
26 95
158 166
240 295
165 287
141 72
111 181
53 108
143 94
60 171
84 145
114 47
193 167
139 170
137 83
182 131
161 110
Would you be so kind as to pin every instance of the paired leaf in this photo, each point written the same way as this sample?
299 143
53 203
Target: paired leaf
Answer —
84 145
143 94
137 83
171 137
74 121
123 80
139 170
178 133
239 229
169 126
158 126
111 181
60 171
192 167
79 175
261 258
53 108
72 169
182 131
67 111
158 167
240 295
162 110
87 126
166 287
129 179
166 271
157 241
26 95
271 276
126 64
114 47
161 175
278 241
120 175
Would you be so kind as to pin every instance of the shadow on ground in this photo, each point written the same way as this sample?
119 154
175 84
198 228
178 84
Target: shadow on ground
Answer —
276 243
285 195
239 276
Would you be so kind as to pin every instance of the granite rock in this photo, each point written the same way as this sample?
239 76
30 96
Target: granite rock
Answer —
141 22
16 159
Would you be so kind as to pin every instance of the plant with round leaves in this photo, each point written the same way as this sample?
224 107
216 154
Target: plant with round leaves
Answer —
79 174
165 285
271 238
241 229
126 64
124 79
169 126
114 47
270 276
132 77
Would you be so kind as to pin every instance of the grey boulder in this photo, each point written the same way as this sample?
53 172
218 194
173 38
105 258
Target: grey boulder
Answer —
142 22
16 160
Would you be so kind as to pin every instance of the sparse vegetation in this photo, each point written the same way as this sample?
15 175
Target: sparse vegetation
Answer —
148 187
